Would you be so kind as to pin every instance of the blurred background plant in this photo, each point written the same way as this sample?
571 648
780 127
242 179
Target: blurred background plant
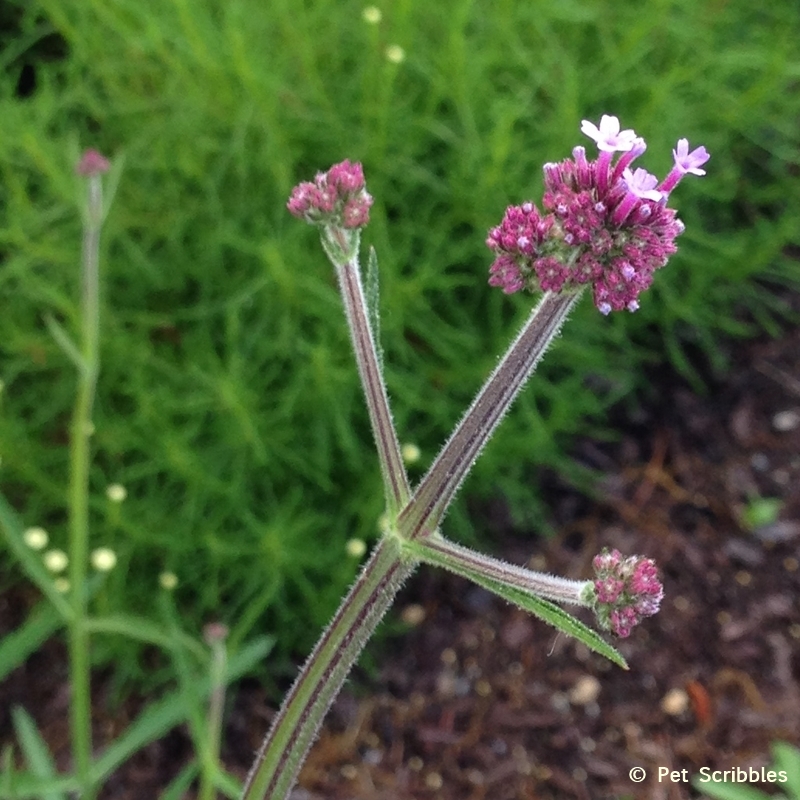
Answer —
228 410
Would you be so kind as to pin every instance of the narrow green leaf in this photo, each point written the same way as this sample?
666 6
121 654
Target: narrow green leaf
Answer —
143 630
372 296
27 786
15 647
228 785
554 615
7 774
34 748
729 791
163 715
64 342
181 783
787 758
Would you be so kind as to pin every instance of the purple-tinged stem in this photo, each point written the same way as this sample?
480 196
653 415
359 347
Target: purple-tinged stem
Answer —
435 492
441 552
393 472
295 727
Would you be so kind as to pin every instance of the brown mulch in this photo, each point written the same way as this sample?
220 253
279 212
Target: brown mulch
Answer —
477 700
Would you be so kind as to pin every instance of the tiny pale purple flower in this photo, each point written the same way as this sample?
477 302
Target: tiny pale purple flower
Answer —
686 163
690 162
608 136
642 184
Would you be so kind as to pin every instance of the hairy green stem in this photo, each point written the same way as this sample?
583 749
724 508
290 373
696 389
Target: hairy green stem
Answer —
391 462
431 498
441 552
295 727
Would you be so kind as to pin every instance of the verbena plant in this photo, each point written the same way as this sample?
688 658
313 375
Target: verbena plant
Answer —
605 227
227 387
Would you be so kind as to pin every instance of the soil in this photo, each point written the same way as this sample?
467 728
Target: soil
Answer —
479 701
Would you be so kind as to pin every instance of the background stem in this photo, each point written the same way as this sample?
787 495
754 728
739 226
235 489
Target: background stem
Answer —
80 455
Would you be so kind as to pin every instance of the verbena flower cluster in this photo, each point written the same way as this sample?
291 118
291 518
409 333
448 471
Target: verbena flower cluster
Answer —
337 197
626 591
605 225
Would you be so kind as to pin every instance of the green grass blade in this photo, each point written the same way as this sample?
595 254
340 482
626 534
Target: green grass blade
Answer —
180 784
228 785
15 648
729 791
35 750
787 758
27 786
144 630
163 715
7 774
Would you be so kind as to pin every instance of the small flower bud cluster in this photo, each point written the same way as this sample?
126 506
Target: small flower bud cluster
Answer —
625 591
606 225
92 163
337 197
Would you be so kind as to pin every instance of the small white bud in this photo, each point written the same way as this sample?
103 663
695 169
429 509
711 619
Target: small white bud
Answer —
104 559
168 580
372 15
55 560
116 492
411 453
356 548
395 53
36 538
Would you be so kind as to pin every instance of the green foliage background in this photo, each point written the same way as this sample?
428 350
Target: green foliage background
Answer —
228 402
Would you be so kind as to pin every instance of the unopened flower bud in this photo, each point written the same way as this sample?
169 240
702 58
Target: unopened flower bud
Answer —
336 198
625 591
92 163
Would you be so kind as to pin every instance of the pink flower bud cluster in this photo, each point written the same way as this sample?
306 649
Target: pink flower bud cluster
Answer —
92 163
337 197
625 591
605 225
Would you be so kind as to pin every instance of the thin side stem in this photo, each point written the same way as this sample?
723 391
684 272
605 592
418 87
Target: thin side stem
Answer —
436 490
391 461
80 455
441 552
295 727
216 706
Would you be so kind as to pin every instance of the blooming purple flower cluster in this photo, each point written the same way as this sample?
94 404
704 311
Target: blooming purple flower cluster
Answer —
626 590
604 225
337 197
